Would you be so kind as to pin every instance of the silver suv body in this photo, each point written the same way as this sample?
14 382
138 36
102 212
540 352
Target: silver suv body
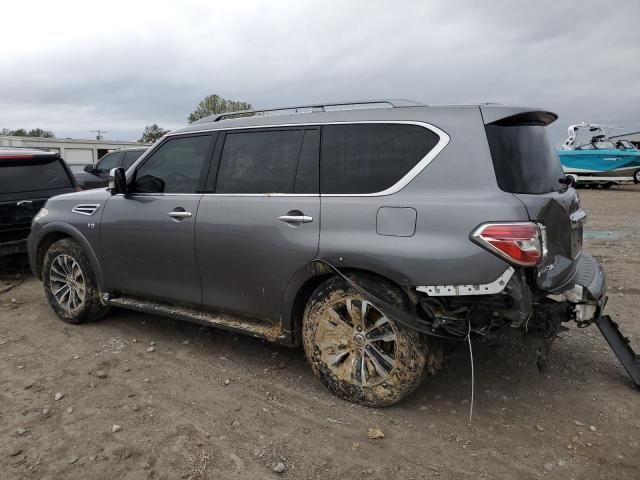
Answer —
368 235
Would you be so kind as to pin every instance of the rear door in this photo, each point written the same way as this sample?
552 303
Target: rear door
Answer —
261 224
25 185
527 165
147 236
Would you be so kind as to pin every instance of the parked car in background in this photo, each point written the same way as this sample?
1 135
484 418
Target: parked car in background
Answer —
366 235
28 178
96 176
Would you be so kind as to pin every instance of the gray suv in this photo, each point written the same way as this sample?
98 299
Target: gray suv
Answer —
369 233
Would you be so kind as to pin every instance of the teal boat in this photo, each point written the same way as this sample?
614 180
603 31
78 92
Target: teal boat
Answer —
589 157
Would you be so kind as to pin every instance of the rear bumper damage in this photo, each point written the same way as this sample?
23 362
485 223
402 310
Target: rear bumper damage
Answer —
586 290
457 313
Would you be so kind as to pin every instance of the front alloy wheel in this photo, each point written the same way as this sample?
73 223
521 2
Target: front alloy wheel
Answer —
70 284
67 282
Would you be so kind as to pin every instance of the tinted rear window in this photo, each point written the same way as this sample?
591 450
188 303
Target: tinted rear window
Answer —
369 158
524 159
32 175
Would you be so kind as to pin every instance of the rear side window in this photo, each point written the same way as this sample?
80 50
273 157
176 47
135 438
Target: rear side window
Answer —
26 175
370 158
524 159
130 158
277 161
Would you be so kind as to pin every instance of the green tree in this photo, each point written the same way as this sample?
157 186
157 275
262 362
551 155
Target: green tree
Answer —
38 132
152 133
34 132
214 104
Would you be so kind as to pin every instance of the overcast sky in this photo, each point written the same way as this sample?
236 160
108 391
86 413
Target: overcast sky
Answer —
72 67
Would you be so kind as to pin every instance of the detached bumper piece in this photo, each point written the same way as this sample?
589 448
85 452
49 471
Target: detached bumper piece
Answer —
621 347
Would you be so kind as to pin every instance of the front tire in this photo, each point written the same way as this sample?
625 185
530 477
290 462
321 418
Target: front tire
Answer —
636 177
69 283
359 353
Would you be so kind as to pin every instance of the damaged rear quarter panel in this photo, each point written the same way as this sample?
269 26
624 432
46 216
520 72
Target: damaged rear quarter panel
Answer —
455 193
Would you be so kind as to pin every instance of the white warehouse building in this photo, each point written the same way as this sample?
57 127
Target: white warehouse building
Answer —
77 153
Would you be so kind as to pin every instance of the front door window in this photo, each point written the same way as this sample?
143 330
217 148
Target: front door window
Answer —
176 167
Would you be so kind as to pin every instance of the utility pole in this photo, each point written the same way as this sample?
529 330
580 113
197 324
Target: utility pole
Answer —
100 133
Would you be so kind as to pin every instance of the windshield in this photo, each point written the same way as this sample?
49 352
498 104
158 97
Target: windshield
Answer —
524 159
605 145
626 145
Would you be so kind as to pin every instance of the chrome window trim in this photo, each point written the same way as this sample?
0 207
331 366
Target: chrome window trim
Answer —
443 141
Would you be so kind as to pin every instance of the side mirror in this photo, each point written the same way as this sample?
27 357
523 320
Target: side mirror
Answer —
117 181
89 168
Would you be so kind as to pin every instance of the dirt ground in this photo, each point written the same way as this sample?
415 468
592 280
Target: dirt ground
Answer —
209 404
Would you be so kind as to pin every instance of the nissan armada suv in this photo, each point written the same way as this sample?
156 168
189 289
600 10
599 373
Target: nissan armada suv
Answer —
368 233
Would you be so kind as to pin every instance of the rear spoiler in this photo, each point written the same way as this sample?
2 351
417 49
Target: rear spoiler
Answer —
511 117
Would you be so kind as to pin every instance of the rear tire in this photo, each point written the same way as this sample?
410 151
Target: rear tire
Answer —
69 283
636 177
363 358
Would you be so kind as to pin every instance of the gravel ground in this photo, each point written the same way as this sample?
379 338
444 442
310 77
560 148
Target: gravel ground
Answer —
92 401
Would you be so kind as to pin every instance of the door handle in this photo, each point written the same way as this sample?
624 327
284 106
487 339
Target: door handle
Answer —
179 214
23 203
295 218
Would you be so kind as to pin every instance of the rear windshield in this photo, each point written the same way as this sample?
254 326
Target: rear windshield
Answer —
524 159
22 175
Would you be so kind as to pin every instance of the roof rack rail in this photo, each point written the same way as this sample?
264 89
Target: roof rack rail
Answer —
322 107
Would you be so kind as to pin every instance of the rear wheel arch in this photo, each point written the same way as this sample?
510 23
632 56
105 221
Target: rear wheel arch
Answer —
304 292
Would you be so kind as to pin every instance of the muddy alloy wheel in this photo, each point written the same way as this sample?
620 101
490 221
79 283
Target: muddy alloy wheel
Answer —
69 283
358 342
357 351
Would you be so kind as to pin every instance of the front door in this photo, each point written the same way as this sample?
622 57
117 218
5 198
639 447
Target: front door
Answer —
147 236
262 224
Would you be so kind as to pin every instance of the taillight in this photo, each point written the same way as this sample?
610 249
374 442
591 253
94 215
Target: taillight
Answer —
519 243
78 188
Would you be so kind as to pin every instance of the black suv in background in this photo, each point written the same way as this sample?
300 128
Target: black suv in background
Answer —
96 176
28 178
